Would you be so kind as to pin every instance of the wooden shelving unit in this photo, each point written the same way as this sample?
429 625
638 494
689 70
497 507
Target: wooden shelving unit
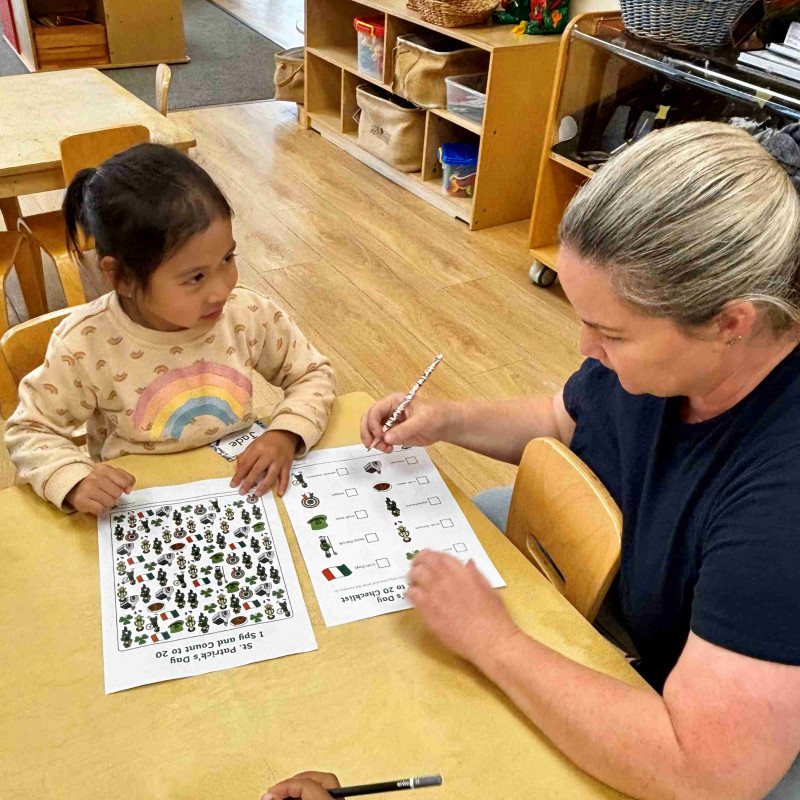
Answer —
521 70
601 67
123 33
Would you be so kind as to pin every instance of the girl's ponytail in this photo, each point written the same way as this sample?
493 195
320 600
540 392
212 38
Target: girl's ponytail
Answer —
74 208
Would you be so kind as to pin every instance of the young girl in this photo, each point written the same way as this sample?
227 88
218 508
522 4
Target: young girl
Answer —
164 362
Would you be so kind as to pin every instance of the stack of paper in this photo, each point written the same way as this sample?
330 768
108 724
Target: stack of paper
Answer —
779 59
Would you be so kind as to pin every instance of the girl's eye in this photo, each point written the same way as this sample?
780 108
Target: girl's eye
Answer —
611 338
229 259
195 279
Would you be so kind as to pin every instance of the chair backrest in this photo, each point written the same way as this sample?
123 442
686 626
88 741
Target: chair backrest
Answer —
163 80
24 346
565 522
10 242
82 150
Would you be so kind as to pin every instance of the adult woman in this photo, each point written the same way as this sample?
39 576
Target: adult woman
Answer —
681 259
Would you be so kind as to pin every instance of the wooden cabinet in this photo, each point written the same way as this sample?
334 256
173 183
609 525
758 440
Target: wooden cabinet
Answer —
7 21
521 71
120 33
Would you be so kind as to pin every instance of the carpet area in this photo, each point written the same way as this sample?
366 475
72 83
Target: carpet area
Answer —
230 63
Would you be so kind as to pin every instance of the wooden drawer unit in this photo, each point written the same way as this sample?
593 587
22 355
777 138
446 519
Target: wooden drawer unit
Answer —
71 46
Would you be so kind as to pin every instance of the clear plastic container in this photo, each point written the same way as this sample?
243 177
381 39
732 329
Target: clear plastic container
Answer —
370 33
459 168
466 95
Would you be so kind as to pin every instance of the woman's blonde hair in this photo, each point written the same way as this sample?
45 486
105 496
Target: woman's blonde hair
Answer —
689 219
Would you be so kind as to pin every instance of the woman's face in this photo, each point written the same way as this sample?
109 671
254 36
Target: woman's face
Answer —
650 355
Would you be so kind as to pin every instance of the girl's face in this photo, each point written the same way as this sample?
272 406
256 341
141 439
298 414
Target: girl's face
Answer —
190 288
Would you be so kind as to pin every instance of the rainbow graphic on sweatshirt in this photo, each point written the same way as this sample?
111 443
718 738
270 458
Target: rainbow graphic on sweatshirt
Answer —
179 396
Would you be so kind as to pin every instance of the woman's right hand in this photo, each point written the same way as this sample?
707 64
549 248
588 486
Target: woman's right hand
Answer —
99 491
422 423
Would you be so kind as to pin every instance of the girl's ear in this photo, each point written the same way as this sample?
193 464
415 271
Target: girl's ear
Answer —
111 272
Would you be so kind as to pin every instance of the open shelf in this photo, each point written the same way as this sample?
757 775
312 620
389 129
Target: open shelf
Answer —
573 165
457 120
345 58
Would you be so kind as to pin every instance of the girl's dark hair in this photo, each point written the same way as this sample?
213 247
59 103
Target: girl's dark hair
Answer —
141 206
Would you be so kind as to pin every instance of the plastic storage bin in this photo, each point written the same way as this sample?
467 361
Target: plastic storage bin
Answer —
459 168
466 96
370 32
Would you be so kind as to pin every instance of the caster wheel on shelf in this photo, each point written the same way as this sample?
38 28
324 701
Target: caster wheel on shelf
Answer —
541 275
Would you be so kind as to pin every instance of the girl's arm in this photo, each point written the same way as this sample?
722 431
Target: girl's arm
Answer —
288 360
54 400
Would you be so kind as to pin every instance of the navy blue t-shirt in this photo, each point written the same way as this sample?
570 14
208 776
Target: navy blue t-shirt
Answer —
711 514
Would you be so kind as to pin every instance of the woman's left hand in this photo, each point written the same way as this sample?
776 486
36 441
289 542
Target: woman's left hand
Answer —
266 461
458 604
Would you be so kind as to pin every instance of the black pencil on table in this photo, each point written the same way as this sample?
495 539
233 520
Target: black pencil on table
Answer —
387 786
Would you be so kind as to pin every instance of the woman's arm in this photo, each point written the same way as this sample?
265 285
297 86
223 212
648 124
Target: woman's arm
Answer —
727 726
499 429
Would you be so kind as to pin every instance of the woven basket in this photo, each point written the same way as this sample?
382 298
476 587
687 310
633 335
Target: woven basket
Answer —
453 14
698 22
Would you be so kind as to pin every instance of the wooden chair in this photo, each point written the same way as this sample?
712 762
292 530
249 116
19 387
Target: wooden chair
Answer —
163 80
566 523
47 231
23 348
10 243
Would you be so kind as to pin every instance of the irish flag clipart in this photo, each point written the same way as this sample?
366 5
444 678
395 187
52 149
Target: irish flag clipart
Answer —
332 573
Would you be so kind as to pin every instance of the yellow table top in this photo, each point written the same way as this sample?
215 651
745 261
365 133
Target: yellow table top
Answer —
38 110
379 700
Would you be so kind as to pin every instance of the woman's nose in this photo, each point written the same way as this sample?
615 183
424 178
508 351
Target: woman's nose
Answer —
589 345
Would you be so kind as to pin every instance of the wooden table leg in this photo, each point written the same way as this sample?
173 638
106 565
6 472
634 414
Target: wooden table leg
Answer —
29 269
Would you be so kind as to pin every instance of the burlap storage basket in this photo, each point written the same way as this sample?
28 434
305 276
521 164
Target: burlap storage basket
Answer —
290 75
423 60
390 128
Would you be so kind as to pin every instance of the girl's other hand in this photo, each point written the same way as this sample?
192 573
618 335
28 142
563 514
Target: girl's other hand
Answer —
272 453
422 422
98 492
305 785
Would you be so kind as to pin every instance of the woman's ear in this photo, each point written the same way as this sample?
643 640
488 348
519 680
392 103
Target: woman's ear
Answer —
737 321
111 272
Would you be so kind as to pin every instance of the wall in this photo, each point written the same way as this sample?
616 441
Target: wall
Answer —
580 6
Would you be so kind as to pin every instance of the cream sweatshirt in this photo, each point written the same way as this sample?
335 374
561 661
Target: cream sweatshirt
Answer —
144 391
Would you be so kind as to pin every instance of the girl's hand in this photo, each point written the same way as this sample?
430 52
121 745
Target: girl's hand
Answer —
422 422
305 785
272 453
98 492
458 604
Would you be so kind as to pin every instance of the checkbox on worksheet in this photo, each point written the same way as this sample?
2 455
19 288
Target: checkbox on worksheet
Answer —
361 514
434 501
351 492
342 471
383 563
423 479
371 537
460 547
412 460
446 523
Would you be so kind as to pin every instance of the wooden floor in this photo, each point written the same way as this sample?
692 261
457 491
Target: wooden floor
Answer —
379 280
275 19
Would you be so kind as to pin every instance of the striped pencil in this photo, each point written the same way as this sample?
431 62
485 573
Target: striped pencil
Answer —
407 399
